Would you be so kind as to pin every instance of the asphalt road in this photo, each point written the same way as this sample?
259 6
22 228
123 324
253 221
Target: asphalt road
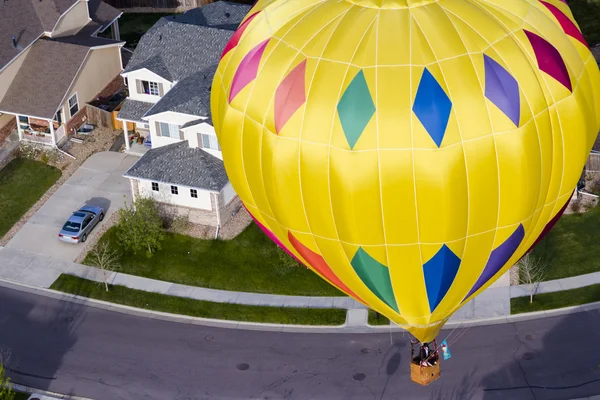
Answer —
74 349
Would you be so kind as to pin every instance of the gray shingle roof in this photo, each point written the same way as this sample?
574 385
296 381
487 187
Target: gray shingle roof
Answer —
133 110
44 73
220 14
26 20
182 48
190 96
179 164
188 42
192 123
102 13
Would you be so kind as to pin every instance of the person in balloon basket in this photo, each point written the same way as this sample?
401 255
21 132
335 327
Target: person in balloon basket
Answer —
426 359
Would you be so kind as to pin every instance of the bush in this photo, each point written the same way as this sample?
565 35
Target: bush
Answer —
576 205
595 185
180 224
140 226
29 151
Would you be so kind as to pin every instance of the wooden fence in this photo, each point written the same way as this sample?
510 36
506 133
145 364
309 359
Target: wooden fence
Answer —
593 163
158 4
99 117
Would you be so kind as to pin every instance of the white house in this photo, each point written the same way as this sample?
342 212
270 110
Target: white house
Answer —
169 78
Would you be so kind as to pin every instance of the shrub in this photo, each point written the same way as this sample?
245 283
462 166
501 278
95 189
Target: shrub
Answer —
140 226
576 205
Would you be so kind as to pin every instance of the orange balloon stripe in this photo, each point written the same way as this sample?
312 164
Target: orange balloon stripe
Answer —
317 262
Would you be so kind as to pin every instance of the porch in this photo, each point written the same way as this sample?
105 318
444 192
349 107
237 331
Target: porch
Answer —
46 132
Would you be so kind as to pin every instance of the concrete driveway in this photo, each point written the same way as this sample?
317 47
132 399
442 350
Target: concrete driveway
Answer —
97 181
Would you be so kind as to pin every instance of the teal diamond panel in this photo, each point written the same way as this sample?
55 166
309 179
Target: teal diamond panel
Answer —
356 108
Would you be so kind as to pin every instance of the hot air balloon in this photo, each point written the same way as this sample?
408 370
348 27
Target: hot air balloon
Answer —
407 151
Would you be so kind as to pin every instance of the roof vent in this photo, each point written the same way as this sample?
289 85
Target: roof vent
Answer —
160 37
14 41
227 15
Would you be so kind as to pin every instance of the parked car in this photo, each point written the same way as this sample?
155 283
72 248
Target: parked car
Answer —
80 224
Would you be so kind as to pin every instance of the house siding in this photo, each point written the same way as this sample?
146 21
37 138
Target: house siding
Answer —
8 123
226 211
145 75
71 22
182 199
8 74
99 69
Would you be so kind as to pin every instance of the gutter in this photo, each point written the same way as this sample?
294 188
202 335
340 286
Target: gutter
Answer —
218 216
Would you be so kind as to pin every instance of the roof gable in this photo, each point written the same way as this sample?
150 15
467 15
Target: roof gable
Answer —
27 20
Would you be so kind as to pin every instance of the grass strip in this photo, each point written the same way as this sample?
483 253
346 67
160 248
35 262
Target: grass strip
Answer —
198 308
373 320
250 262
550 301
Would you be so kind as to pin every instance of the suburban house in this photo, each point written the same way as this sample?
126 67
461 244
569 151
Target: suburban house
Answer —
52 63
169 78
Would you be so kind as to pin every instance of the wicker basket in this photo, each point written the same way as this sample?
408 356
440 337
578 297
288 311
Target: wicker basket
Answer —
424 375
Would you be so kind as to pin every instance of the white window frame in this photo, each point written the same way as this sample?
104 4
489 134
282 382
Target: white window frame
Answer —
153 89
174 190
171 130
76 104
22 124
155 185
212 140
194 193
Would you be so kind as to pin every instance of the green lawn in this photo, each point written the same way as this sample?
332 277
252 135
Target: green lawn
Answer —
587 15
549 301
178 305
22 183
248 263
373 320
572 247
133 25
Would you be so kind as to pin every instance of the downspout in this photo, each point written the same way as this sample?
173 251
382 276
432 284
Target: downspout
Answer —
218 215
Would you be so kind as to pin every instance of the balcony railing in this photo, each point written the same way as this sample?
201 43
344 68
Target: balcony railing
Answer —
37 137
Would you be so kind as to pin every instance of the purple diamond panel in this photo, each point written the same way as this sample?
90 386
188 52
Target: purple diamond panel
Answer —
502 89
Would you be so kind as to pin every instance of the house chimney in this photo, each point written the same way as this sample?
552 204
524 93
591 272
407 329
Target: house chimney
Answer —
14 41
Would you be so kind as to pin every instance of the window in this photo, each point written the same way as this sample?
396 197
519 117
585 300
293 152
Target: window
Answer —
73 105
150 88
194 193
155 186
174 190
23 122
169 130
210 142
86 222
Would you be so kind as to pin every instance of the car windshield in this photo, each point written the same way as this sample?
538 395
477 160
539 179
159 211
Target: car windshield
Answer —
71 226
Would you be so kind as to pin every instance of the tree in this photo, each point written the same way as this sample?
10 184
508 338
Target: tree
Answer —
140 226
532 271
6 392
106 259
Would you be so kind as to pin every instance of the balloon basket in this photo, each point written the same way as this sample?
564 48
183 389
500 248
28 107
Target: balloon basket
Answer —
424 375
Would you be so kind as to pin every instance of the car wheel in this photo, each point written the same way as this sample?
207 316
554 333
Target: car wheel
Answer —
84 237
101 216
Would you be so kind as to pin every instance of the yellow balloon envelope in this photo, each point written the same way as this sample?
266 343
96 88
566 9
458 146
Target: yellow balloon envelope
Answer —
408 151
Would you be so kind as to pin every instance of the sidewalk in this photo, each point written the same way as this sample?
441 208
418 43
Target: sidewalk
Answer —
41 271
557 285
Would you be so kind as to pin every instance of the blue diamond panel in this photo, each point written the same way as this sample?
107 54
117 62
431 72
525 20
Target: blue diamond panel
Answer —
432 106
502 89
355 108
439 273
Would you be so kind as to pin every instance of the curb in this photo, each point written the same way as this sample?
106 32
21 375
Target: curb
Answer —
30 390
268 327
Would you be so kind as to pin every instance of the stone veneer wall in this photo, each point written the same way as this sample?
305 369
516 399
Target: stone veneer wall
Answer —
7 129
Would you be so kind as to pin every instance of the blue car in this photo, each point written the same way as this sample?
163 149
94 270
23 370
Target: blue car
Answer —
78 226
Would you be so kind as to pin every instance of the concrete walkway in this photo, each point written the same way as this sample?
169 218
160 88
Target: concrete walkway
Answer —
32 269
557 285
